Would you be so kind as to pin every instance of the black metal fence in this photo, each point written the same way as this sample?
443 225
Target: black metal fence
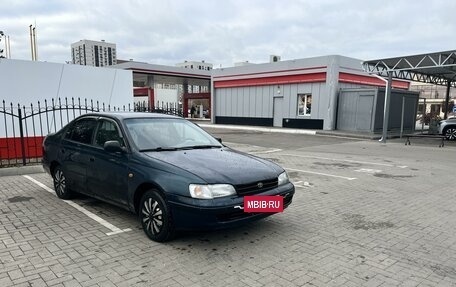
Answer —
23 128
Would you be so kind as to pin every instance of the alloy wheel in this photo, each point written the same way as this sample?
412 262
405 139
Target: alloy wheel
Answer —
450 134
59 182
152 216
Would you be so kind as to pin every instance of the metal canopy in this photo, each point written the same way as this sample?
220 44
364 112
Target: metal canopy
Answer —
436 68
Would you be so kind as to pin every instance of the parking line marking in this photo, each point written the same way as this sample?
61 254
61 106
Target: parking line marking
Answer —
302 184
368 170
298 183
347 160
255 146
268 151
319 173
114 229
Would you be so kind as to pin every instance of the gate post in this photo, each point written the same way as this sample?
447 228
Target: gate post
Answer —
21 131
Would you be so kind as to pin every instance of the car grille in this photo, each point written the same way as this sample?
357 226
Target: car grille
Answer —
256 187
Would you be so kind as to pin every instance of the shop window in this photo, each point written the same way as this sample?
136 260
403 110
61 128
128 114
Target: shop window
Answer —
304 104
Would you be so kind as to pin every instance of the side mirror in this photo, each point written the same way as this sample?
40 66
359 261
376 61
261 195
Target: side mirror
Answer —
219 140
113 146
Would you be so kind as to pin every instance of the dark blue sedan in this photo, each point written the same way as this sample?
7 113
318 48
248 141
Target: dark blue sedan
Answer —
166 169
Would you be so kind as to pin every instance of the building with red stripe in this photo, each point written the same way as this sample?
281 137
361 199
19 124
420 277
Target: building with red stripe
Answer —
299 93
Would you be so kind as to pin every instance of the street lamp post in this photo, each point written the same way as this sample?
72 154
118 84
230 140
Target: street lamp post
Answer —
1 50
7 49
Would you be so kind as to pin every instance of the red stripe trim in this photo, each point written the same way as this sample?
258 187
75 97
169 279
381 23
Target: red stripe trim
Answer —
271 72
371 81
10 148
140 92
290 79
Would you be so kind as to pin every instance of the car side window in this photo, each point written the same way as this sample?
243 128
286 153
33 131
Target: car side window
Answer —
108 131
82 131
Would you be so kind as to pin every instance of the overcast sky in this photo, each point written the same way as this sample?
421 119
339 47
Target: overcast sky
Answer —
223 32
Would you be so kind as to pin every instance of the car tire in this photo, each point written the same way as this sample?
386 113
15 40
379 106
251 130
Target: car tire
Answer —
450 133
155 217
60 184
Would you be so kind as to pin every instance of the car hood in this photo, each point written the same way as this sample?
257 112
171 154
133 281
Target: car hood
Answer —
452 120
220 165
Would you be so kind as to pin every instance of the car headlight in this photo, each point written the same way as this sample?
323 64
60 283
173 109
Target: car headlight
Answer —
210 191
283 178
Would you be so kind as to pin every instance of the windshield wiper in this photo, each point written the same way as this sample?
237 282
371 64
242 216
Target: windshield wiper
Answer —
180 148
201 146
159 149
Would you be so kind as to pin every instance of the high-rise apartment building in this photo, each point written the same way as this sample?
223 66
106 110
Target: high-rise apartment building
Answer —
93 53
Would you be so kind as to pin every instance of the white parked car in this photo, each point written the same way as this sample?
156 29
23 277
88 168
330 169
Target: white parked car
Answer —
448 128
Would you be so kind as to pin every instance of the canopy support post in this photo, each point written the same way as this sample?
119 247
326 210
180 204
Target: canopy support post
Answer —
386 109
447 99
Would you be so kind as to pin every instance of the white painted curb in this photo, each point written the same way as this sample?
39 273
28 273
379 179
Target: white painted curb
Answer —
261 129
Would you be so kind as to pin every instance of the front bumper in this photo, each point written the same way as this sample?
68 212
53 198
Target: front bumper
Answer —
220 213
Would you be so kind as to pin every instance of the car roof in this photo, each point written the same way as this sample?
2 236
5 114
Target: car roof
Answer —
131 115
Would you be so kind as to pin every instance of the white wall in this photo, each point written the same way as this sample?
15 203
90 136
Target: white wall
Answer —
26 82
163 96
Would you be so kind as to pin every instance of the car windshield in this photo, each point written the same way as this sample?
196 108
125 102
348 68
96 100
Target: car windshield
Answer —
161 134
